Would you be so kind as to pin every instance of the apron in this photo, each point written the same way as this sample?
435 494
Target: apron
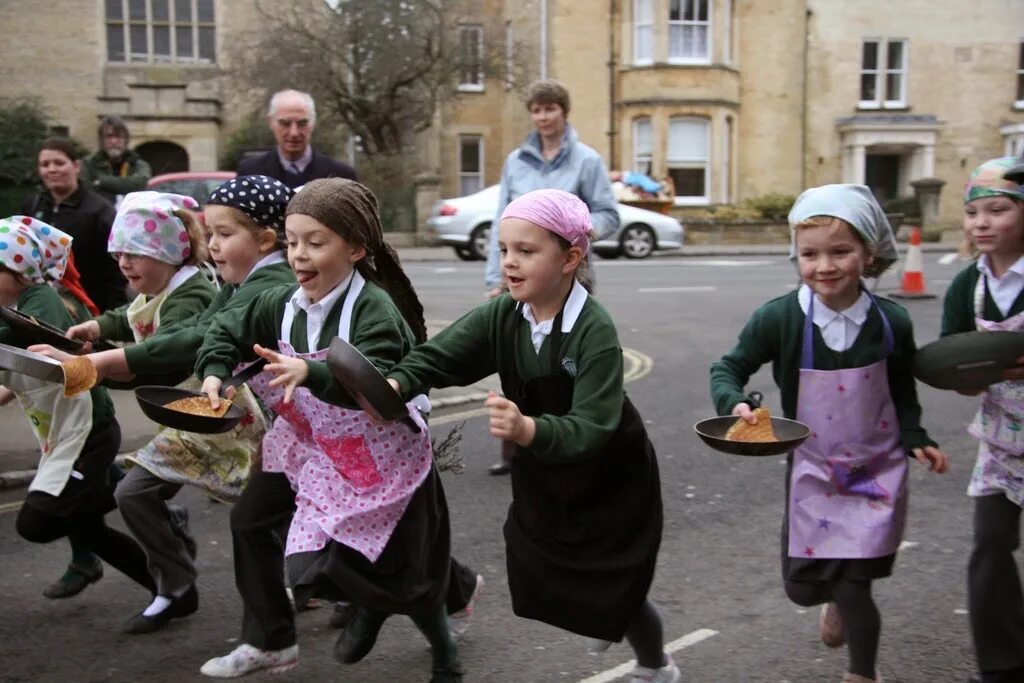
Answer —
848 485
999 467
218 463
581 538
353 479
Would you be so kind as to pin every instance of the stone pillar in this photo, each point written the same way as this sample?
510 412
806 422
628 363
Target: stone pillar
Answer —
928 162
428 193
927 191
859 164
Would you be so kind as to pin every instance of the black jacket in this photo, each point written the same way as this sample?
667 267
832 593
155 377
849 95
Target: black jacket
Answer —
269 164
87 217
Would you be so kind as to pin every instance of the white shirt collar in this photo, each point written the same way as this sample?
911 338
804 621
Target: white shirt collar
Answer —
823 315
179 277
570 314
302 302
302 162
273 257
1017 268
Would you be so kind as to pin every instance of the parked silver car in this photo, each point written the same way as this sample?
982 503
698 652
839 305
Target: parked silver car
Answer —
464 224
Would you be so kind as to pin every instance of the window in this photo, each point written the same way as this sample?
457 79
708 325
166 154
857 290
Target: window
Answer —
643 31
883 74
471 58
642 145
689 30
1020 77
688 158
471 164
161 31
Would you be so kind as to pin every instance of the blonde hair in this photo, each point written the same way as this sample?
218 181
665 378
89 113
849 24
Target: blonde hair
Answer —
198 251
250 224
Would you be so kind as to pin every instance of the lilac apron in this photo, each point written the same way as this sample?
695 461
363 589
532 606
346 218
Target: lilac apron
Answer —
997 425
353 479
848 486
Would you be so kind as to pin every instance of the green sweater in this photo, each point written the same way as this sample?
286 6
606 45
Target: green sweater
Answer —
42 302
378 331
475 346
191 297
958 307
174 348
774 334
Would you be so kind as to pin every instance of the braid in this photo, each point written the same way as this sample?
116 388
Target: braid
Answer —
397 284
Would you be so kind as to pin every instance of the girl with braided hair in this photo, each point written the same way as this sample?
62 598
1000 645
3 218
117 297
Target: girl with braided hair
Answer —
370 523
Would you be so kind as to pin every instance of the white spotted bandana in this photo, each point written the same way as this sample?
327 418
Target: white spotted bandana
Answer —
34 249
259 197
146 226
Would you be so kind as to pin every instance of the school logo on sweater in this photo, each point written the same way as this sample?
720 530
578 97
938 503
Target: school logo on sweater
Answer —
569 365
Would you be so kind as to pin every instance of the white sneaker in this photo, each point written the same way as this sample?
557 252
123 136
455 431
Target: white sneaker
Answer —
246 659
459 622
596 645
666 674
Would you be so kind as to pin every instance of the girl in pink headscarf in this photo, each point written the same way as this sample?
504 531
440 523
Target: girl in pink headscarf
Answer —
584 527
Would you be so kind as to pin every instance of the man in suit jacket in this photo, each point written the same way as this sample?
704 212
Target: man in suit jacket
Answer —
291 117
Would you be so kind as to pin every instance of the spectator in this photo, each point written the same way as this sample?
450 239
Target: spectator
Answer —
293 161
114 170
66 204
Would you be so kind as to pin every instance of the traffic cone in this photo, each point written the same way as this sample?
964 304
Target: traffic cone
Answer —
912 286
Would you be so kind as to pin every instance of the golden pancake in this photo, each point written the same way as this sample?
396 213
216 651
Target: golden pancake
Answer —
79 375
199 405
753 433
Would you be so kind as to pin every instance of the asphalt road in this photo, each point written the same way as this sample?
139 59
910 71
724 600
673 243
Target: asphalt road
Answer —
718 581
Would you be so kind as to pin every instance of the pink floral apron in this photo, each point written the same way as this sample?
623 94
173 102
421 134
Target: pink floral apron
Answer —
848 487
353 478
997 424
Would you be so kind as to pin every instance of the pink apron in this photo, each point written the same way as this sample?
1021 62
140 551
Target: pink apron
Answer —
353 479
997 424
848 486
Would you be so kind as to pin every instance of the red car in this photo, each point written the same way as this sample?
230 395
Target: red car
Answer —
195 184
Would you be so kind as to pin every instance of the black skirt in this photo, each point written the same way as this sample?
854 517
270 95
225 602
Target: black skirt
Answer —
409 577
93 493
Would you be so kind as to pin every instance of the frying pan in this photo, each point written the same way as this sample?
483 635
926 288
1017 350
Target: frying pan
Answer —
789 433
153 398
32 364
968 361
365 384
36 331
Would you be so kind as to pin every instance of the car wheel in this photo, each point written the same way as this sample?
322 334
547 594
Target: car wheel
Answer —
480 241
637 241
465 253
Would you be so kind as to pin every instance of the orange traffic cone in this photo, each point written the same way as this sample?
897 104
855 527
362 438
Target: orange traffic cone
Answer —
912 286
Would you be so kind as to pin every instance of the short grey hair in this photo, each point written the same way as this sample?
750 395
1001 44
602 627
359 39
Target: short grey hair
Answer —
276 98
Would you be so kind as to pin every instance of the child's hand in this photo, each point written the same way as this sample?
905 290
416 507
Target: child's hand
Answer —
291 372
51 352
394 385
87 331
743 410
6 396
211 387
1015 372
507 422
936 460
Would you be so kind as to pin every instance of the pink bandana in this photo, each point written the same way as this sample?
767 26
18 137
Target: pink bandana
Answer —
560 212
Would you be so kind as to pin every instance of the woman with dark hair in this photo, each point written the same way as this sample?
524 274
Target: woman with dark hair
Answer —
66 204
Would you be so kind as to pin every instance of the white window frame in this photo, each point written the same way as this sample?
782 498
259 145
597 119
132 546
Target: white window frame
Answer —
479 174
1018 84
510 56
125 23
643 159
479 30
691 162
682 24
883 69
640 24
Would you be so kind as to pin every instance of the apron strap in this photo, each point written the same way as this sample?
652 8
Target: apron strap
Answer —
807 351
355 287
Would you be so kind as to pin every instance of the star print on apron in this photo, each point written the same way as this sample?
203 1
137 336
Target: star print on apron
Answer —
999 467
353 479
848 487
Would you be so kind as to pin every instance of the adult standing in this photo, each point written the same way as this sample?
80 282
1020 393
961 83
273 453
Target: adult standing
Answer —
114 170
551 157
292 117
65 203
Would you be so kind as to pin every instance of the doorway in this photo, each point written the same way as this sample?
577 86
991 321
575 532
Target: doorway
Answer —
882 175
163 156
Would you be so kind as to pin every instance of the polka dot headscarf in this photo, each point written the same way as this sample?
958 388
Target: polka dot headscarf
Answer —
33 249
259 197
146 226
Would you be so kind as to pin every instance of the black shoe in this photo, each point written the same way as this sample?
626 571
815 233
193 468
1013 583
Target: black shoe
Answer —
1010 676
447 673
342 615
500 467
179 607
179 522
359 637
75 580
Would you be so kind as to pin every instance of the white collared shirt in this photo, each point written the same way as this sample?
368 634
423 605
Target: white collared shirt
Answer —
275 256
1004 290
317 313
838 329
301 163
571 312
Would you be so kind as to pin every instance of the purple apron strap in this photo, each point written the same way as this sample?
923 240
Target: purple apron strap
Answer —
807 351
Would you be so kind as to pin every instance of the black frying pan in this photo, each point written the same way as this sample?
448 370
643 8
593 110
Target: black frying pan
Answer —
789 433
36 331
365 384
152 400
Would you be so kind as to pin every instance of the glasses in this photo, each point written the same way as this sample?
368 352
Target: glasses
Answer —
118 255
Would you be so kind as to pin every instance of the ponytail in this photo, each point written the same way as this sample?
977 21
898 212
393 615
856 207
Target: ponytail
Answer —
386 272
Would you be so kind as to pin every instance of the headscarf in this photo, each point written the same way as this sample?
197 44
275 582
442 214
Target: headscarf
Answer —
558 211
261 198
145 226
987 181
856 205
33 249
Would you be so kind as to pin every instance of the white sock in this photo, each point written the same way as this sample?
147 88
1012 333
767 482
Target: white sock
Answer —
159 604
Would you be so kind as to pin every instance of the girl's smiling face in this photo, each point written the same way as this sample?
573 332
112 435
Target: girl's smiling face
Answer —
320 258
831 259
996 225
145 275
234 247
533 262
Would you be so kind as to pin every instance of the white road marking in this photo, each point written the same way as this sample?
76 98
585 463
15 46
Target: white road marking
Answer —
676 645
445 270
661 290
946 259
908 544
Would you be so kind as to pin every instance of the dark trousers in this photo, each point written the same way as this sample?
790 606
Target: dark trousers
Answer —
993 584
